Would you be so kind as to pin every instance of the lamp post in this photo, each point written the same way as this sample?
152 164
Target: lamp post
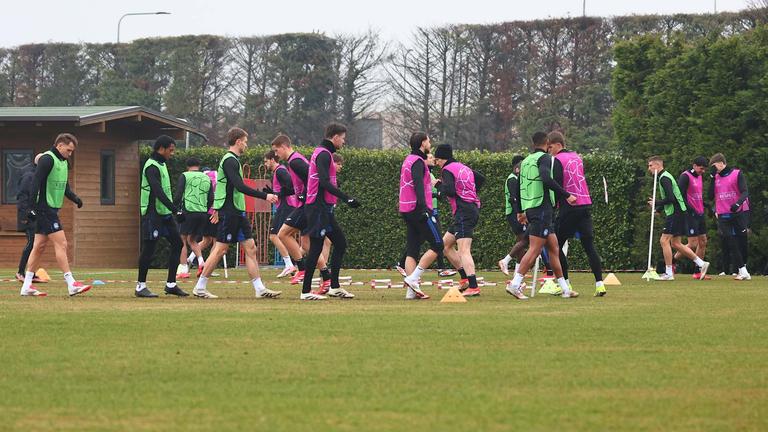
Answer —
136 13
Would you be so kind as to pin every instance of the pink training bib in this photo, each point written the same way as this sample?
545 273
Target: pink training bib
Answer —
407 187
574 181
313 183
465 184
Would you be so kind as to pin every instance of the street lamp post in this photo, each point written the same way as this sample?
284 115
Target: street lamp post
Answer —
136 13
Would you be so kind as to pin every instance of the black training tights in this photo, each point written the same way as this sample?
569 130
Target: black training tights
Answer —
148 251
27 250
336 236
594 259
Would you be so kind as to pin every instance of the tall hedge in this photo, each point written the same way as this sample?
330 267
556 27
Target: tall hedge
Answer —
376 232
680 98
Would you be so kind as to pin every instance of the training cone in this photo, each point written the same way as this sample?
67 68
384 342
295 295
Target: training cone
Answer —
611 279
97 282
453 296
43 275
650 275
550 287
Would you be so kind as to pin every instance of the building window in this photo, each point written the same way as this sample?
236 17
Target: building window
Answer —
15 163
107 177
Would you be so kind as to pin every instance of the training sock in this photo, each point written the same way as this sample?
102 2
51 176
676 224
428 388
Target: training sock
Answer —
28 276
300 264
506 259
288 262
517 280
699 262
472 281
258 285
669 271
563 285
69 278
170 284
200 261
462 273
599 284
140 286
742 271
416 274
325 274
191 258
202 283
517 267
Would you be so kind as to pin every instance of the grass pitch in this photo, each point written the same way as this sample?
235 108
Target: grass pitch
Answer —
681 355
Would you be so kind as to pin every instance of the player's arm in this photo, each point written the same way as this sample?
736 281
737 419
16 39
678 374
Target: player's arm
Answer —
286 185
545 172
232 171
72 196
557 175
417 173
743 192
479 179
669 192
301 168
447 184
683 183
323 162
181 184
156 187
211 195
513 186
44 167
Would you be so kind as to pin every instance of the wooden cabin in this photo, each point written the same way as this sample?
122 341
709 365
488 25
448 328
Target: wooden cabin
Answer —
104 172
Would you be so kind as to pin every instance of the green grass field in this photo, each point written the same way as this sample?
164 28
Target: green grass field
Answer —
681 355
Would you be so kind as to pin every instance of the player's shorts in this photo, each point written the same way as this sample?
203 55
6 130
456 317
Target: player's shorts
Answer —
733 224
153 227
539 222
233 227
572 221
516 226
320 220
278 219
464 222
696 224
47 221
419 229
674 224
211 229
298 219
194 224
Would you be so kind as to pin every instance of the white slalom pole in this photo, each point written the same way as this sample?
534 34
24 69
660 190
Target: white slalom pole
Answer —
535 276
605 189
226 273
651 273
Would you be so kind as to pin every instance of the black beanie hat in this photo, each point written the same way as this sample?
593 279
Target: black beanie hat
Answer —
444 151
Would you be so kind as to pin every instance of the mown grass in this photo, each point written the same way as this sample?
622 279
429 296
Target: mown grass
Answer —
683 355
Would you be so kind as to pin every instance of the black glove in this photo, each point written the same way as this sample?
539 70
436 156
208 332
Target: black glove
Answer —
735 207
659 208
78 202
712 171
267 189
31 215
353 203
180 217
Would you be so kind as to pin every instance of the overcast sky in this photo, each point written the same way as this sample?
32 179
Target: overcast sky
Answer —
90 21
